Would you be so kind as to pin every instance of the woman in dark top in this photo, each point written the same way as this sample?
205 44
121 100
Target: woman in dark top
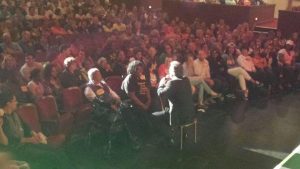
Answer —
51 81
137 90
136 86
25 144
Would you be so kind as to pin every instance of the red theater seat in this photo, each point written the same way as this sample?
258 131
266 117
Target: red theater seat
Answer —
28 114
115 82
73 102
51 119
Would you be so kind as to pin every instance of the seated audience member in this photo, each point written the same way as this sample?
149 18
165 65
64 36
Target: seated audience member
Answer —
136 88
29 65
152 78
24 143
31 14
104 67
12 80
121 64
97 90
51 83
119 26
164 68
70 76
35 84
168 52
11 47
188 71
202 71
106 102
246 62
217 65
152 55
235 70
178 91
108 27
286 64
87 64
26 43
263 68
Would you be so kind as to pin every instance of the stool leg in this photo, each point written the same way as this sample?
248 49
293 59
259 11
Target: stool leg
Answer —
195 131
181 137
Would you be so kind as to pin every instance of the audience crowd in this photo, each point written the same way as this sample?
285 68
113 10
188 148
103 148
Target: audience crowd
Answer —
48 46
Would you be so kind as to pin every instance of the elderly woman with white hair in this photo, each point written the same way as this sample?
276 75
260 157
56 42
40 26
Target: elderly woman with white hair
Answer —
71 76
98 90
106 105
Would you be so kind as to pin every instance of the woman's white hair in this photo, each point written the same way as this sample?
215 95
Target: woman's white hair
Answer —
91 73
68 61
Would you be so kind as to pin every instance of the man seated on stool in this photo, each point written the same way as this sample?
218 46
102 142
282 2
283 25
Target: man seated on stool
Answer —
177 89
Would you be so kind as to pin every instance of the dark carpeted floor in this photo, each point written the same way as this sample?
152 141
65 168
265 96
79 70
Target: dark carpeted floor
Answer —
256 134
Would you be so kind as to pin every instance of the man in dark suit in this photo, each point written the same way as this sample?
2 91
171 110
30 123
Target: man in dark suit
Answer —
177 89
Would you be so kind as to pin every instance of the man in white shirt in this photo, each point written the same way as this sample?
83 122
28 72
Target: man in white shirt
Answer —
245 61
202 69
29 65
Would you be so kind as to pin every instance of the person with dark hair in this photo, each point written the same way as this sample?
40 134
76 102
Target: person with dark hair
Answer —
119 68
104 67
135 86
51 81
26 43
35 85
25 144
177 89
11 47
11 79
286 64
30 64
235 70
137 90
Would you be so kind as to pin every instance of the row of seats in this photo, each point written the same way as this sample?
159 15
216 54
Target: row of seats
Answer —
44 116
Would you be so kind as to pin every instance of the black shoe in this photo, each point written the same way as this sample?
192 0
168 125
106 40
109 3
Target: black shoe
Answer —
201 108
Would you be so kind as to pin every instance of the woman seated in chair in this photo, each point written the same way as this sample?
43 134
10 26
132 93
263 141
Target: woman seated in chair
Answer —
106 104
25 144
105 101
97 91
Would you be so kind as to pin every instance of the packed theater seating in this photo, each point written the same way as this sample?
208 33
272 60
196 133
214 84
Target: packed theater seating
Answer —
89 30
